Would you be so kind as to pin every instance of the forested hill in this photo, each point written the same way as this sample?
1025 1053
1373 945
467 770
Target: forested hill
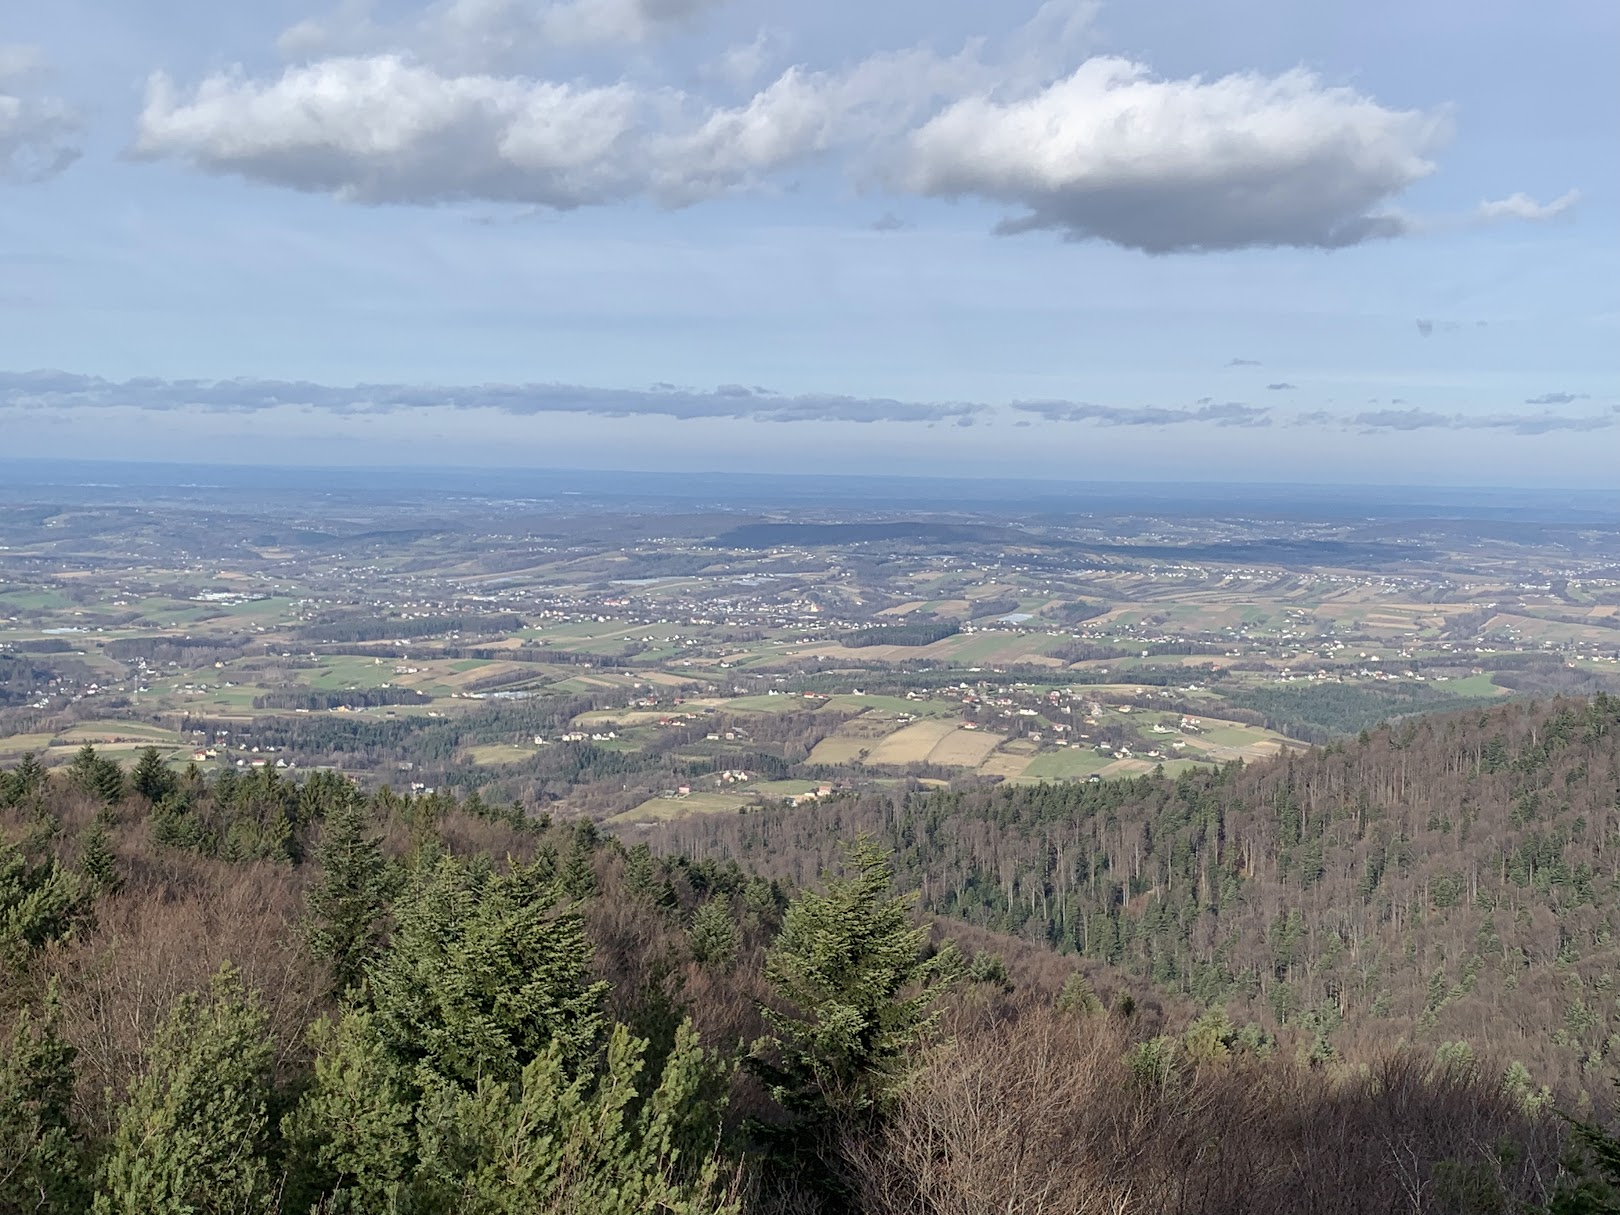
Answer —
268 997
1447 878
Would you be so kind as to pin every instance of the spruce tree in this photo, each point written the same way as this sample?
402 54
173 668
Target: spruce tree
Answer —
346 907
151 779
578 878
714 934
25 780
558 1142
192 1136
98 777
96 860
38 903
482 974
856 986
352 1134
40 1158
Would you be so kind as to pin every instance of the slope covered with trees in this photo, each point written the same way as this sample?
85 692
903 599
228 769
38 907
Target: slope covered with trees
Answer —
1452 878
255 995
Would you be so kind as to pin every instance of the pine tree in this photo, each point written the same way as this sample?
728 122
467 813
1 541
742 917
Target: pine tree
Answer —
40 1159
852 971
192 1137
346 907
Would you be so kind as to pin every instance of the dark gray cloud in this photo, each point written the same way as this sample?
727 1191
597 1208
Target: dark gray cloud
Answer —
65 390
1556 398
1231 413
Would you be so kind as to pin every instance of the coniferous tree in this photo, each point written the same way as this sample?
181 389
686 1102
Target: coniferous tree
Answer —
40 1158
193 1134
347 905
578 876
557 1142
151 779
96 860
482 974
23 781
99 777
353 1132
38 903
857 984
714 935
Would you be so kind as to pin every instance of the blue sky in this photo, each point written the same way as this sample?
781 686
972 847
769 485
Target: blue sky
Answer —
1239 240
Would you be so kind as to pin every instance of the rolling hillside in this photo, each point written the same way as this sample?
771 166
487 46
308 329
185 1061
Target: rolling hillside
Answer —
1451 878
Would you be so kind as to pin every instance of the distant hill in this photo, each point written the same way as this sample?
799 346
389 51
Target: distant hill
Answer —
1451 877
811 535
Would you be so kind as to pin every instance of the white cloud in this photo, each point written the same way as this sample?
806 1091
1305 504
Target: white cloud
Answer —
429 109
384 129
1522 206
37 131
1115 153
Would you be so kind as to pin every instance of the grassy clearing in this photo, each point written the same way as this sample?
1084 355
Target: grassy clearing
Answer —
964 748
119 731
913 744
17 744
1007 764
840 749
898 705
1069 763
769 704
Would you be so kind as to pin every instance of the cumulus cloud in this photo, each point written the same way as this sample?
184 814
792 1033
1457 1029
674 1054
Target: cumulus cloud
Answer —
389 128
1556 398
38 132
57 390
1116 153
1523 207
451 101
385 129
1232 413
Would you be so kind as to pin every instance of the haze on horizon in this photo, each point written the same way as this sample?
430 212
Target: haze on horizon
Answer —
1252 241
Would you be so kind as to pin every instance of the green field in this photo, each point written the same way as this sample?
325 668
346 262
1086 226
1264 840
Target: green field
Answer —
1067 763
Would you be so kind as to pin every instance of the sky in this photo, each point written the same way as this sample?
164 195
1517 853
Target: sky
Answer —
1241 240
